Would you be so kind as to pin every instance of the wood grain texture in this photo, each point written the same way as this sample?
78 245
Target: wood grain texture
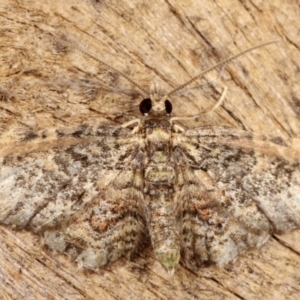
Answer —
44 84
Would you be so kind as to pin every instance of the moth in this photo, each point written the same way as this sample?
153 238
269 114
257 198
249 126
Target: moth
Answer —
202 195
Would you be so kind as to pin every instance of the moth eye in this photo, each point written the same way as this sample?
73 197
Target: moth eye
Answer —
168 105
145 106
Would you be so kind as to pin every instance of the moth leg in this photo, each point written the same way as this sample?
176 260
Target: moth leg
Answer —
136 128
191 118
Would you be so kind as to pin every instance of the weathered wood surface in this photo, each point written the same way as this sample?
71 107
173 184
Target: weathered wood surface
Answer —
44 84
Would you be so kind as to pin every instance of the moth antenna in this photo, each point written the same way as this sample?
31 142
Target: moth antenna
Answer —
105 65
218 65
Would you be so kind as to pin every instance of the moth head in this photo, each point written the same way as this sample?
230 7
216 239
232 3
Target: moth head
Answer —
156 103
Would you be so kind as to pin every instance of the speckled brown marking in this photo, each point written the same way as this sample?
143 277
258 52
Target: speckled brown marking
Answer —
278 140
30 136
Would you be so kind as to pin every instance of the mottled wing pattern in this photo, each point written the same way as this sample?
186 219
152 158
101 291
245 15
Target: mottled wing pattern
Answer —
80 188
236 190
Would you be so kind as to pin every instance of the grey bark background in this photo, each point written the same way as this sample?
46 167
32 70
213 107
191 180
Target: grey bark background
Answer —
45 83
